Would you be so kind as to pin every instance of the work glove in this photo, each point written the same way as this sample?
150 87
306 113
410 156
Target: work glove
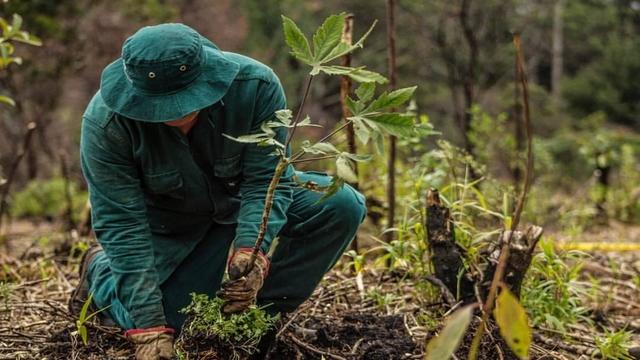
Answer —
153 343
240 291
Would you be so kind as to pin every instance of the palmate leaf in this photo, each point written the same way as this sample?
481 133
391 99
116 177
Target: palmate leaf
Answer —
298 43
365 91
358 74
321 148
342 48
328 35
345 169
335 185
400 125
391 100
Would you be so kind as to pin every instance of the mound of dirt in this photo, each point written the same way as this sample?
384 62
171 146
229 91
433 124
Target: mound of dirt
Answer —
353 336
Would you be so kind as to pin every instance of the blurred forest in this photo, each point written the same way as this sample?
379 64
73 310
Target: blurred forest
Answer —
583 61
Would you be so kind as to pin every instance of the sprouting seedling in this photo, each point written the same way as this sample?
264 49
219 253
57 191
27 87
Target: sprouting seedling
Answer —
83 318
372 117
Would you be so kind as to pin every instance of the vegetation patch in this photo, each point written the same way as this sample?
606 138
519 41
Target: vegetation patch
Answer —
210 333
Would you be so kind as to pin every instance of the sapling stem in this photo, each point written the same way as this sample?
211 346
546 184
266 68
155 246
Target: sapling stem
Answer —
299 113
275 180
504 254
268 203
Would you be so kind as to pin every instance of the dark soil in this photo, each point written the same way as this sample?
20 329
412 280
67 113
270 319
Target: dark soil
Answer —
354 336
492 346
101 345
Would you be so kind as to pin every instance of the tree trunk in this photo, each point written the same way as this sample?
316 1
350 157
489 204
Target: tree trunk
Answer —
558 47
391 161
345 90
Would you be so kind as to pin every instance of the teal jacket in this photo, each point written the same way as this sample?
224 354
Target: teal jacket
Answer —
154 192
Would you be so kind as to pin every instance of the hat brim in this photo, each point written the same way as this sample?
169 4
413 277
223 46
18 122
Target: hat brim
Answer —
209 87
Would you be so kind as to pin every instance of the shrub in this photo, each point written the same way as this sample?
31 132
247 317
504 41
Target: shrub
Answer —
46 199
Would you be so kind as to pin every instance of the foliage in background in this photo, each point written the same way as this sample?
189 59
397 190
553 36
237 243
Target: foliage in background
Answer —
46 199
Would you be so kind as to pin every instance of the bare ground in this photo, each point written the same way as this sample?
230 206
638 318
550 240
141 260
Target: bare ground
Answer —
342 320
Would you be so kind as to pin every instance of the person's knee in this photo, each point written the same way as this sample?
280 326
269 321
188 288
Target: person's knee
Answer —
348 208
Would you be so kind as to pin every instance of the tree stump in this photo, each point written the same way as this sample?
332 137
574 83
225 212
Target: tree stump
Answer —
448 257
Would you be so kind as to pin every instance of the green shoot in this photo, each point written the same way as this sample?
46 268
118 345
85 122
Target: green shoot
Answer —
614 345
83 318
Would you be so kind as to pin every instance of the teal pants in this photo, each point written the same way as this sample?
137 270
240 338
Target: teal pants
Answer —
312 241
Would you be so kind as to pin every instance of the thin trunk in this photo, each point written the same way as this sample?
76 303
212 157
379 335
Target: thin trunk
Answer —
470 75
517 126
558 47
70 223
391 161
345 90
24 149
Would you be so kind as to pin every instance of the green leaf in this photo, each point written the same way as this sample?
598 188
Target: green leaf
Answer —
357 157
400 125
82 330
366 91
296 40
248 139
16 23
328 35
7 100
344 169
362 131
335 185
447 342
343 48
355 107
392 100
358 74
513 323
321 148
307 122
284 116
85 307
5 27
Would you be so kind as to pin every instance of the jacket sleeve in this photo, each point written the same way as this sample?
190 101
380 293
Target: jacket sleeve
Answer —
258 169
120 221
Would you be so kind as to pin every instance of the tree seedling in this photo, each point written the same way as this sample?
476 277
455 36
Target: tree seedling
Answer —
371 116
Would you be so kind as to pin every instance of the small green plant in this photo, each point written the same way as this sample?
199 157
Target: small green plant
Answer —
614 344
382 299
6 289
84 317
551 292
241 330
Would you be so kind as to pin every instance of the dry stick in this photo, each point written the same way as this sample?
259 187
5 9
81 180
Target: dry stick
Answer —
345 89
14 167
391 161
504 254
64 169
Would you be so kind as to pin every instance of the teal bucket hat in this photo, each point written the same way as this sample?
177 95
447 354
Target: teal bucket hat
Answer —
165 72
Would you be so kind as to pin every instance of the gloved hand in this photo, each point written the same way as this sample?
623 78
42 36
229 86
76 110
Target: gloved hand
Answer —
240 291
153 343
